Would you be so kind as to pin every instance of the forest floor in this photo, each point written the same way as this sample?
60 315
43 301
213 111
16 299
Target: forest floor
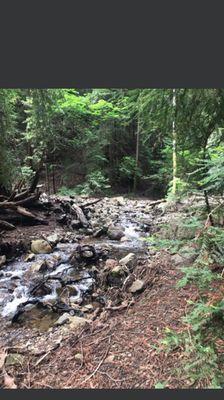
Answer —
119 348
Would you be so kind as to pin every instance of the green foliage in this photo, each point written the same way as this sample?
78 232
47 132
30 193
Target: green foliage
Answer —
182 189
160 385
203 325
156 243
201 276
96 184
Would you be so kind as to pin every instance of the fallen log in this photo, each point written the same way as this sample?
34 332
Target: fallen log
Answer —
6 225
91 203
80 215
14 204
154 203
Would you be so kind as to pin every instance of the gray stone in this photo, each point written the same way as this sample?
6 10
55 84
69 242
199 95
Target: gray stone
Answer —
117 271
63 319
53 239
79 357
177 259
2 260
29 257
40 246
87 254
115 233
77 322
137 286
119 201
127 260
40 266
110 263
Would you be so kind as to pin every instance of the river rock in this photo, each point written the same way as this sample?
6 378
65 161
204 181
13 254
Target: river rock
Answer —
137 286
75 224
124 239
87 254
53 239
2 260
40 266
110 263
63 319
74 322
119 201
87 308
127 260
115 233
40 246
117 271
77 322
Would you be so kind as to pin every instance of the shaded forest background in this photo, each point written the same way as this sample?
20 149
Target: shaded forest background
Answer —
97 141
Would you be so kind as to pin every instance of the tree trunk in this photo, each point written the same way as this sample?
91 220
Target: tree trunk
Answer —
174 135
136 157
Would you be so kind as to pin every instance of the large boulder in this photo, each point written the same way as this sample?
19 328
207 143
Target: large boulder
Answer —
40 246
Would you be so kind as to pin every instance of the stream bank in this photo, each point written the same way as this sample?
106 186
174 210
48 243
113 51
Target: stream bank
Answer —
92 278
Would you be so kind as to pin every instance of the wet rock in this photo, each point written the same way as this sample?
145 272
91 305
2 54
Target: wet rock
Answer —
124 239
53 239
100 232
87 254
29 257
128 260
75 224
40 266
62 219
119 201
40 246
40 289
2 260
137 286
115 233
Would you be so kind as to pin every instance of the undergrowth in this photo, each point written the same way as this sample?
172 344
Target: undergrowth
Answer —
201 340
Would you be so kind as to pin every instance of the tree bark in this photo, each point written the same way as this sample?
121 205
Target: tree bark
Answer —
174 135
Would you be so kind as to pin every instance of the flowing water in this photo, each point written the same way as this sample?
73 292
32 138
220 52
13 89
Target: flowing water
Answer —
18 277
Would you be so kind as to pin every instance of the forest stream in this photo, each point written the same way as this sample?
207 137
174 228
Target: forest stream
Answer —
36 289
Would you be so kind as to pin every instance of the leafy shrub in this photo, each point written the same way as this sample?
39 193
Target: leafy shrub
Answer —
203 326
96 183
128 168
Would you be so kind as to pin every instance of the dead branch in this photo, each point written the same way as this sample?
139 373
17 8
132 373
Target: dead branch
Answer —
6 225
